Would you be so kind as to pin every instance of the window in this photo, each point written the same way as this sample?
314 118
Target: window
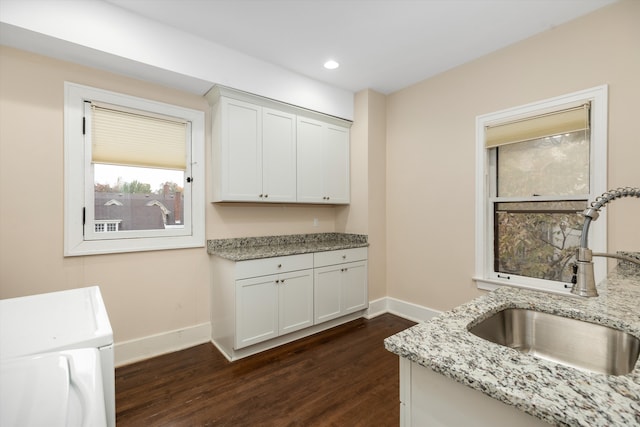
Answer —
538 166
134 173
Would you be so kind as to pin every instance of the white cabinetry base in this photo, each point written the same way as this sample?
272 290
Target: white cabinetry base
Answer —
431 399
232 354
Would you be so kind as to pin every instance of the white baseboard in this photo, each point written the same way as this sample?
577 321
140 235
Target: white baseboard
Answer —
127 352
232 355
407 310
155 345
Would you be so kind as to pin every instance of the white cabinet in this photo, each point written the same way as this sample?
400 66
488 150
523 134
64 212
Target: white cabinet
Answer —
254 153
237 151
428 398
322 162
340 283
261 303
278 156
270 306
267 151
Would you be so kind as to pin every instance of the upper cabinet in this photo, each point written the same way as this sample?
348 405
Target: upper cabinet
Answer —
237 151
278 156
323 162
266 151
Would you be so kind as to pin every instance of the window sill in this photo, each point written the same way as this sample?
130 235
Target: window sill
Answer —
493 284
99 247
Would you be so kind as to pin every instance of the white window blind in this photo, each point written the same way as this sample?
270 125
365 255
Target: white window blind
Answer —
131 138
540 126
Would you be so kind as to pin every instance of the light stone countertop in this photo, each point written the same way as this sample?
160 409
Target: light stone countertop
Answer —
555 393
246 248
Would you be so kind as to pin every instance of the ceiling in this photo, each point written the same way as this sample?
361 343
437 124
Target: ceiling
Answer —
384 45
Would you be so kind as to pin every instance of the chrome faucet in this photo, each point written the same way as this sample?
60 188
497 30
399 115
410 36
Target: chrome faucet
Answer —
583 279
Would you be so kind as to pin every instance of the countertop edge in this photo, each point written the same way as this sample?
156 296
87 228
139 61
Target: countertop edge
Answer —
274 246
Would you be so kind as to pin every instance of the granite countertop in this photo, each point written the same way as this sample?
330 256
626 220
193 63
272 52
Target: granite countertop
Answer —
555 393
246 248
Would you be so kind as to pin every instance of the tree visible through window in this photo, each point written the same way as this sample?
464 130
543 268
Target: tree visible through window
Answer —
537 239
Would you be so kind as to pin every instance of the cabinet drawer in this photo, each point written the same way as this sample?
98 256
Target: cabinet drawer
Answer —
265 266
340 256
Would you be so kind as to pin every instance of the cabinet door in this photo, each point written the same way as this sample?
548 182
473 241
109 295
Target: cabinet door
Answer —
278 156
310 161
256 310
295 292
327 291
241 151
336 164
354 287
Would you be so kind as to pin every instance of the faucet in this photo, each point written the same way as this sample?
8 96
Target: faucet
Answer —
583 279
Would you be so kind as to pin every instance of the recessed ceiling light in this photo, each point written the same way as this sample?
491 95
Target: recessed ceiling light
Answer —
331 65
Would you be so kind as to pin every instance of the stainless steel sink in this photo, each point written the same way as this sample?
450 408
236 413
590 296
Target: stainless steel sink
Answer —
570 342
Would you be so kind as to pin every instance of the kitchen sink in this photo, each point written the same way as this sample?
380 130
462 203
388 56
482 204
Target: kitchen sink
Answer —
582 345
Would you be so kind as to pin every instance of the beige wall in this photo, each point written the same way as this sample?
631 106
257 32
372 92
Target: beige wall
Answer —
430 145
145 293
366 213
412 176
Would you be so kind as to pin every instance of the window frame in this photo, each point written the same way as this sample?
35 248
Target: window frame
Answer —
76 185
485 276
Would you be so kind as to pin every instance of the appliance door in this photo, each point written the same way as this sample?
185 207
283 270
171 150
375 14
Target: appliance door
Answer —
52 389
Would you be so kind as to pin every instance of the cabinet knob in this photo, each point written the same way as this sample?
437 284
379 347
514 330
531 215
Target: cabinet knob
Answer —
344 257
282 281
266 195
277 281
260 196
279 265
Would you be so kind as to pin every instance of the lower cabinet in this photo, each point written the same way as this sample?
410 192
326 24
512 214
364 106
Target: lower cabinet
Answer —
339 289
339 283
428 398
259 304
270 306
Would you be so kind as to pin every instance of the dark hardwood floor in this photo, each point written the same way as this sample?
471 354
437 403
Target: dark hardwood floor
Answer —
340 377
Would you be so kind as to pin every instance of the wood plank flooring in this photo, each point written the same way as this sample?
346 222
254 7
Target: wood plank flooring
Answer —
340 377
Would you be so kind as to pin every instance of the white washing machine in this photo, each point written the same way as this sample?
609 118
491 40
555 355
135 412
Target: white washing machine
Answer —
57 322
52 389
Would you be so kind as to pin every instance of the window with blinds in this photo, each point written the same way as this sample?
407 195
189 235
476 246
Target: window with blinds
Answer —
539 174
541 182
139 159
134 175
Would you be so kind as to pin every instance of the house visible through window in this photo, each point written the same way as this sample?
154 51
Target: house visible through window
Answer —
108 226
537 172
134 171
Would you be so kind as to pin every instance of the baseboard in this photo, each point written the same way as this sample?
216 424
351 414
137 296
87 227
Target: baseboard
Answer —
407 310
127 352
132 351
232 355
